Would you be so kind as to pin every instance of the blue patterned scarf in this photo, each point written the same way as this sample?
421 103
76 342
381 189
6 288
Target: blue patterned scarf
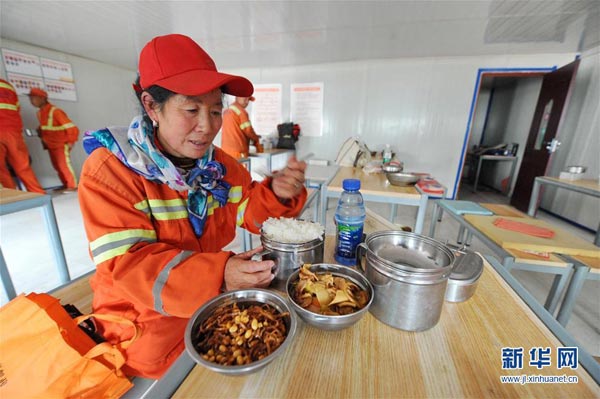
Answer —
134 146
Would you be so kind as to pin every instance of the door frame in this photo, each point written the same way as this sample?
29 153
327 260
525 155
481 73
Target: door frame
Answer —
495 72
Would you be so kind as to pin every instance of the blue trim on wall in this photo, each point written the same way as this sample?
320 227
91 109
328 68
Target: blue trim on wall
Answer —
481 71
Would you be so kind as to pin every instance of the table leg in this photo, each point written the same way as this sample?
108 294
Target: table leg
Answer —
511 176
558 285
421 214
323 205
9 288
579 276
436 216
535 195
393 211
56 243
477 174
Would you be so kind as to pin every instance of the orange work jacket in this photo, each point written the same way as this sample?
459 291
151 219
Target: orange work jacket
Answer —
151 268
10 119
56 129
237 132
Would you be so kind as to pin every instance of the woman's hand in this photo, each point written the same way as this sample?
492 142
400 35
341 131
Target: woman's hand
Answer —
241 272
288 183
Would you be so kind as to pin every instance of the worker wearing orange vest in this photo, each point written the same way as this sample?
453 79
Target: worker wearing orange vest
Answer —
237 130
12 146
160 202
58 136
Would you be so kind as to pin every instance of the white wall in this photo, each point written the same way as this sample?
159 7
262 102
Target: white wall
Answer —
419 105
580 137
104 98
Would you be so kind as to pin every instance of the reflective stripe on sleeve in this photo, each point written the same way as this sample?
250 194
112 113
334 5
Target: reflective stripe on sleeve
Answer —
241 211
114 244
235 194
245 125
163 276
143 206
11 107
7 86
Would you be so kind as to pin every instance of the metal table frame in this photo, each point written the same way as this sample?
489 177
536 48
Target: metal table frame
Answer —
582 272
562 274
482 158
45 202
535 195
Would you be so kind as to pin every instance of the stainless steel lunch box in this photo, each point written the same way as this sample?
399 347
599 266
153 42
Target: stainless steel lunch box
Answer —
462 282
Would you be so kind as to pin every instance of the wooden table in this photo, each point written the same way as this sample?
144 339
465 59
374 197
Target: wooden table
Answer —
583 186
519 256
12 201
375 187
460 357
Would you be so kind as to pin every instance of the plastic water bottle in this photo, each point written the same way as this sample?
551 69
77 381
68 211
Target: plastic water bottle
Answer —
387 154
349 219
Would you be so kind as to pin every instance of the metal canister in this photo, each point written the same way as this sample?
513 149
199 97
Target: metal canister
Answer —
289 257
462 282
409 273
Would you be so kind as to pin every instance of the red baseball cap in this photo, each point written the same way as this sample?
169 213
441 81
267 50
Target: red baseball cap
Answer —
37 92
177 63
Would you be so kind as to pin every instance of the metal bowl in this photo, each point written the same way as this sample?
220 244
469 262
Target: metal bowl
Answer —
327 322
402 179
576 169
247 296
392 168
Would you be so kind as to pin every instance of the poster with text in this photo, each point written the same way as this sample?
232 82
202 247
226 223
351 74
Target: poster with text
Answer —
306 108
24 83
56 70
266 109
15 61
60 90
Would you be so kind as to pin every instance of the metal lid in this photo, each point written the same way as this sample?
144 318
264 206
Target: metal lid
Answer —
467 268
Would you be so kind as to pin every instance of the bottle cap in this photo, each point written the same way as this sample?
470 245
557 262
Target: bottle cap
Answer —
351 184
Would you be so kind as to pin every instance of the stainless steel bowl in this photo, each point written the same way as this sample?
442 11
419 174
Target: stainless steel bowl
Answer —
326 322
247 296
576 169
392 168
402 179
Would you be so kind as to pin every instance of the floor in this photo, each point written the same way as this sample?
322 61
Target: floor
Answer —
29 257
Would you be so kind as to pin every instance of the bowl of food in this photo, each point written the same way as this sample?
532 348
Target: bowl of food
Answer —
240 332
330 297
402 178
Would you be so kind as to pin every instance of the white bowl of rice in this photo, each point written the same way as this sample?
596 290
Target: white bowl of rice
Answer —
292 231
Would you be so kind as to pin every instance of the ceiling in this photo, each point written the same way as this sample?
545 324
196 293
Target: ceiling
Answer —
241 34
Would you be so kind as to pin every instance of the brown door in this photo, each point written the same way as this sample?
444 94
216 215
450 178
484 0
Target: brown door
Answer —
541 143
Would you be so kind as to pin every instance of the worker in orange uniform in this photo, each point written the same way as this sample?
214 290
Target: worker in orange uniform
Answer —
58 136
12 146
237 131
160 203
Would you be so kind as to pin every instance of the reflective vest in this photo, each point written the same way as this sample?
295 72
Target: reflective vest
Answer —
56 129
237 131
10 118
150 266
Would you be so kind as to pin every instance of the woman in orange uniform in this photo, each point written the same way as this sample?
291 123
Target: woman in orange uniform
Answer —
237 130
12 146
160 201
58 135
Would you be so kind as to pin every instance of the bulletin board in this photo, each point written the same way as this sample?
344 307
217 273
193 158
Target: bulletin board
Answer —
25 71
306 107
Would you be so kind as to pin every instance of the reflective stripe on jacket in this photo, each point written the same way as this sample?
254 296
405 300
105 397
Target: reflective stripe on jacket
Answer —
151 268
10 119
56 127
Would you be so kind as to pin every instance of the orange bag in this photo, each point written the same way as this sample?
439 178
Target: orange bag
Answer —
44 354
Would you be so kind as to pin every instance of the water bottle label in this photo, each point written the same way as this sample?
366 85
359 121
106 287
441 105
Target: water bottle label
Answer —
348 238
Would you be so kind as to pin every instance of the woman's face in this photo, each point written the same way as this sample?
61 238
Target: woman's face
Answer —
187 126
